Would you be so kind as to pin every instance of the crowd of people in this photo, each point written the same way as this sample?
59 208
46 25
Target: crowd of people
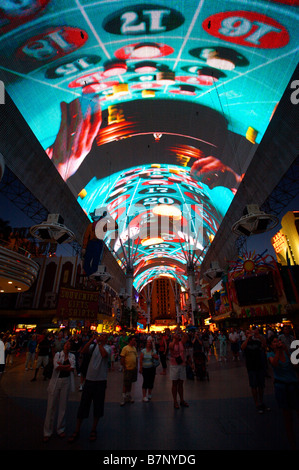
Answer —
185 354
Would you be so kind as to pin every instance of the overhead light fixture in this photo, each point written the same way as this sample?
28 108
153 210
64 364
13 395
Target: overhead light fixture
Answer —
214 271
254 221
146 50
55 219
43 234
101 274
52 230
167 211
63 238
152 241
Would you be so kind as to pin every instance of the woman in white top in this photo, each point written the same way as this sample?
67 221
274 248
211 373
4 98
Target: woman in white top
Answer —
147 369
60 385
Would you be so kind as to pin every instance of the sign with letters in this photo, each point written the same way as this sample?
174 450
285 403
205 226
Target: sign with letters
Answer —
77 304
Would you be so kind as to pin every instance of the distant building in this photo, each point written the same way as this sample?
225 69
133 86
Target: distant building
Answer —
286 241
163 303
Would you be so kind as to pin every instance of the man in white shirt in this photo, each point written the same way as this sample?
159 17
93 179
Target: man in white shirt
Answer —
94 386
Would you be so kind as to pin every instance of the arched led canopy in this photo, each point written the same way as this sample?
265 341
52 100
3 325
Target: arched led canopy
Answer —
161 211
141 280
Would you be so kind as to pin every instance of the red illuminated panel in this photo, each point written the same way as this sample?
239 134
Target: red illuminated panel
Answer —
145 85
287 2
53 44
116 131
13 14
117 202
98 87
247 28
157 182
205 80
88 79
278 242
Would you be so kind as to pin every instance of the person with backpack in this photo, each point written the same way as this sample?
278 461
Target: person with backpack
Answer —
95 385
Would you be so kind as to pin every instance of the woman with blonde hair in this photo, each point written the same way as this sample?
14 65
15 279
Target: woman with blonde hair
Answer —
148 369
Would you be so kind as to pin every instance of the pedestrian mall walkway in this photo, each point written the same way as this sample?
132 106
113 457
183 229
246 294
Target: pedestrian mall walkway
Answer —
221 415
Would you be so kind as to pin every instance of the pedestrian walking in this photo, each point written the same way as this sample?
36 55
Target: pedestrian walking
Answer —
128 357
178 368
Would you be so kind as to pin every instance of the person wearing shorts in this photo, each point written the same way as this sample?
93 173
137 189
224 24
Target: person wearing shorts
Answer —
128 357
177 371
95 385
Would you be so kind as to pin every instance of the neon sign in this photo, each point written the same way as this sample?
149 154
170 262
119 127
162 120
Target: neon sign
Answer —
278 242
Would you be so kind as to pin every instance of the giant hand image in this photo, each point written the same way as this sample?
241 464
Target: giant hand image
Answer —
213 172
75 136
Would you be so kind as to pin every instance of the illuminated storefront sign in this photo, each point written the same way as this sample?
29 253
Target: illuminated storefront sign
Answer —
262 311
279 242
77 304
